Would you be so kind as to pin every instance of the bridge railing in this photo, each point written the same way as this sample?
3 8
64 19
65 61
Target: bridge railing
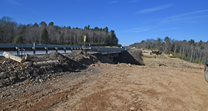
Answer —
30 47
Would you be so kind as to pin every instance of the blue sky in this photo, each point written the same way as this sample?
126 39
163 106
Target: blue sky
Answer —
132 20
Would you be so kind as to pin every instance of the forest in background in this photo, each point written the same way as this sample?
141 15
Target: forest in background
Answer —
187 50
11 32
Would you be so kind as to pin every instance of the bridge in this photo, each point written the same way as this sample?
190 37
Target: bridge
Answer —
45 47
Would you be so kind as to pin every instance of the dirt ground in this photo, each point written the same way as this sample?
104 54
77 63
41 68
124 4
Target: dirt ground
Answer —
155 60
163 84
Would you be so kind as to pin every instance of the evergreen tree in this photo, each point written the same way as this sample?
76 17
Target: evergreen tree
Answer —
51 23
114 39
44 36
105 29
43 24
69 27
87 27
96 29
35 25
191 42
108 40
18 40
167 40
200 42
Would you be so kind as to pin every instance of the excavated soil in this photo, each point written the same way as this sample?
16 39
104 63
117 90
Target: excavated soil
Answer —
12 72
160 85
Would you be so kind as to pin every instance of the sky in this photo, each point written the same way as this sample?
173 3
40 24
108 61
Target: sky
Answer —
132 20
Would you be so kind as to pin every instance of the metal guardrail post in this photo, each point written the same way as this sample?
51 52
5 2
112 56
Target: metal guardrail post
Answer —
17 48
33 48
64 49
22 49
56 49
46 48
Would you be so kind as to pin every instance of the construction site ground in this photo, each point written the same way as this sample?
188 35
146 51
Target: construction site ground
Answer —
158 84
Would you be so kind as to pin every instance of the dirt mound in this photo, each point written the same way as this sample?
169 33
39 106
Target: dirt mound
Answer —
130 56
55 56
76 53
102 58
86 59
64 61
12 72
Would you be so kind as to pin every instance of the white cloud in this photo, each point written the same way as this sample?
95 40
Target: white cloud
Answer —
184 16
148 10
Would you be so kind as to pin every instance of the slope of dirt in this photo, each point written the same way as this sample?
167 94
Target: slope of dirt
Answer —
123 87
81 57
12 72
130 56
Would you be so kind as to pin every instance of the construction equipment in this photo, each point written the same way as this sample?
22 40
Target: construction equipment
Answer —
206 70
171 55
157 52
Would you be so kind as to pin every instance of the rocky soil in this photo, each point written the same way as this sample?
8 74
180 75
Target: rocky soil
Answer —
93 83
12 72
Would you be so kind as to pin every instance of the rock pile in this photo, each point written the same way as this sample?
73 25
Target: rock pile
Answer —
12 72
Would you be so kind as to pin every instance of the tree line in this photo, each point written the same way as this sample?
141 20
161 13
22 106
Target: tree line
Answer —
188 50
11 32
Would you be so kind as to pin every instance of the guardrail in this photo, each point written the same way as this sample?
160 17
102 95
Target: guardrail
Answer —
34 47
29 47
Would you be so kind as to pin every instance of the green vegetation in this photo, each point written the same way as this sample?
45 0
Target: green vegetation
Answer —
51 23
52 34
186 50
44 36
91 44
187 59
17 40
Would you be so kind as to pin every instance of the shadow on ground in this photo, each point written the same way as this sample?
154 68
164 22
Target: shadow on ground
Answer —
130 56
